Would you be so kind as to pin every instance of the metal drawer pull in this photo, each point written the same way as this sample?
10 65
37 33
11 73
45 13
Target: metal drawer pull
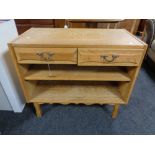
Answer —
41 55
106 58
46 56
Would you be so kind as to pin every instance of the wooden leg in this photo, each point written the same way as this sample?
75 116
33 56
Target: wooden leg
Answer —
115 111
38 109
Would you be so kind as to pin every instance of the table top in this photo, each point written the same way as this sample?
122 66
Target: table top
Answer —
78 37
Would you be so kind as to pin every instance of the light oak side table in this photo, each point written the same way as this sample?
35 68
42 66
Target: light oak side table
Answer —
89 66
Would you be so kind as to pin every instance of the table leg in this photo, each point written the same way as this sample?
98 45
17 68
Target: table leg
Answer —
38 109
115 111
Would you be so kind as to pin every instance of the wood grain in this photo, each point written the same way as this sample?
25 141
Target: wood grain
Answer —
84 77
66 93
41 72
59 55
92 57
38 109
115 111
20 71
59 37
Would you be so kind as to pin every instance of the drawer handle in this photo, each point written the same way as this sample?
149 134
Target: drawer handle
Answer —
107 59
46 56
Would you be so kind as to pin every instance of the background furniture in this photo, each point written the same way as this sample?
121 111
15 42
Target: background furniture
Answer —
24 24
93 23
141 26
11 96
149 38
129 24
89 66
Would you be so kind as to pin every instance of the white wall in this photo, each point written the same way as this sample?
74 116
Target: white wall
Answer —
4 102
8 77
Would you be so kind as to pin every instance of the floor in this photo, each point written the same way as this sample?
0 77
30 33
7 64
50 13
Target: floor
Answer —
136 118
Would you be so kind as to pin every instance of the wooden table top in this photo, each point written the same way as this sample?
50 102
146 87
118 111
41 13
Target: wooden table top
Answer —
78 37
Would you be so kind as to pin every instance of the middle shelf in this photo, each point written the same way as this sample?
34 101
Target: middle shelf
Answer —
76 73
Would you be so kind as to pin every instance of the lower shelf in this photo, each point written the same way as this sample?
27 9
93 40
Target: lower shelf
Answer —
87 93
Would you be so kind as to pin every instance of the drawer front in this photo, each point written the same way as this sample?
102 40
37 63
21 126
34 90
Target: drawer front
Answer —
46 55
104 57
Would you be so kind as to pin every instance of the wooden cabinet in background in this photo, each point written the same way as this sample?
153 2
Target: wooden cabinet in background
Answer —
24 24
129 24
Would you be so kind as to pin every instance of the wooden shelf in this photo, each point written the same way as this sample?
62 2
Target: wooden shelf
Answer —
89 66
87 93
40 72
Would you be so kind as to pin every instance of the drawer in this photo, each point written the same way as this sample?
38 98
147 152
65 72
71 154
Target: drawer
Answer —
46 55
106 57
